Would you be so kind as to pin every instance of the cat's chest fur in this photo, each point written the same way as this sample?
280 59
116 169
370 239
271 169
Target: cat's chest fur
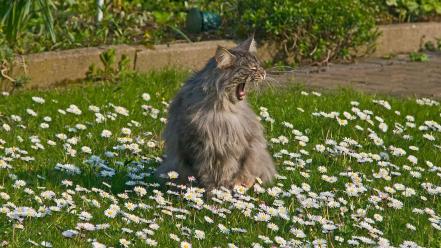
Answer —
226 132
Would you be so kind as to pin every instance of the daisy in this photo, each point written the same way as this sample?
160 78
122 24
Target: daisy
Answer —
198 234
106 133
125 242
70 233
73 109
146 97
185 244
172 175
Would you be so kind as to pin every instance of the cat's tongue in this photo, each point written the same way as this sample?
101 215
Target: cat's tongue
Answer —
240 91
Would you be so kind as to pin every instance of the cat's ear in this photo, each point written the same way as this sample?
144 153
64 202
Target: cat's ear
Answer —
248 45
224 58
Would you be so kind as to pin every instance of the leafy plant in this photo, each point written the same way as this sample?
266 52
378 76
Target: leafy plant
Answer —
433 46
306 31
128 22
18 14
309 31
409 10
6 57
111 70
418 57
7 82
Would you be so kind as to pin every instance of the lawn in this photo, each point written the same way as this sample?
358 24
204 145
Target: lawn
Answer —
76 170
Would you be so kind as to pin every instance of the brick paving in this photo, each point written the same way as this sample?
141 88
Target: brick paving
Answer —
397 76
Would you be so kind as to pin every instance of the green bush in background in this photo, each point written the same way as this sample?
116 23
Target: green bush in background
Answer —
311 31
413 10
307 31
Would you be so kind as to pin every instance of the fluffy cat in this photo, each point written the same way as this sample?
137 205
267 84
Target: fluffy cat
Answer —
212 134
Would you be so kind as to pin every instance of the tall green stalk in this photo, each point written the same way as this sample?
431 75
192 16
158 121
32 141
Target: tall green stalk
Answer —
16 14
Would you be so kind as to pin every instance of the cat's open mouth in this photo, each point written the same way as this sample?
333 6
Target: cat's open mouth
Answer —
240 91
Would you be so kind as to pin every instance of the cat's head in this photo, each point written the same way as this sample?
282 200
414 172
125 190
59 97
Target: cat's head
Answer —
239 68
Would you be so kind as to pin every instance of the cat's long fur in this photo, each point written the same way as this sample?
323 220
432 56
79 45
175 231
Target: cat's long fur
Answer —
212 135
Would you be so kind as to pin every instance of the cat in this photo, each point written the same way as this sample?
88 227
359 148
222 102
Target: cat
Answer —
212 134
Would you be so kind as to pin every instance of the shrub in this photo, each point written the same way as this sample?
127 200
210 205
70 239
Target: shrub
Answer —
413 10
309 30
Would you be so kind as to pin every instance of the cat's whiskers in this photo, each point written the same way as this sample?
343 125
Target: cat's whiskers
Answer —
272 82
280 70
269 82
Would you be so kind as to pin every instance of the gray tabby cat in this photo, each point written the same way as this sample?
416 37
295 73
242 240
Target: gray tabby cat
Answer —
212 134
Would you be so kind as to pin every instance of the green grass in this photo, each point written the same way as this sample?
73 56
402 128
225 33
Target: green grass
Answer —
288 105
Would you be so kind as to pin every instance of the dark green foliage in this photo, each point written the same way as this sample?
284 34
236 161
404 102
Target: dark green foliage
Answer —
75 25
17 15
311 31
411 10
307 31
398 11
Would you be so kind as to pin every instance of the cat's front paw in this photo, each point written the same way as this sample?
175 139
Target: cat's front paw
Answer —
247 183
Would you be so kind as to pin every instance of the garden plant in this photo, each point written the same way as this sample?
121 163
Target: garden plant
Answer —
305 31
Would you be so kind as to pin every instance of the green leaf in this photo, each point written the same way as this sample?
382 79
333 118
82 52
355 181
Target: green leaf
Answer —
46 6
391 3
162 17
418 57
411 5
17 15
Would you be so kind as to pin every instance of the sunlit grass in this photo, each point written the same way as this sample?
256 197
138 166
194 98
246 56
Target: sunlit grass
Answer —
354 218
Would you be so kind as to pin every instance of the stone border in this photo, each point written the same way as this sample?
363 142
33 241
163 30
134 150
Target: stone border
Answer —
47 68
405 38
